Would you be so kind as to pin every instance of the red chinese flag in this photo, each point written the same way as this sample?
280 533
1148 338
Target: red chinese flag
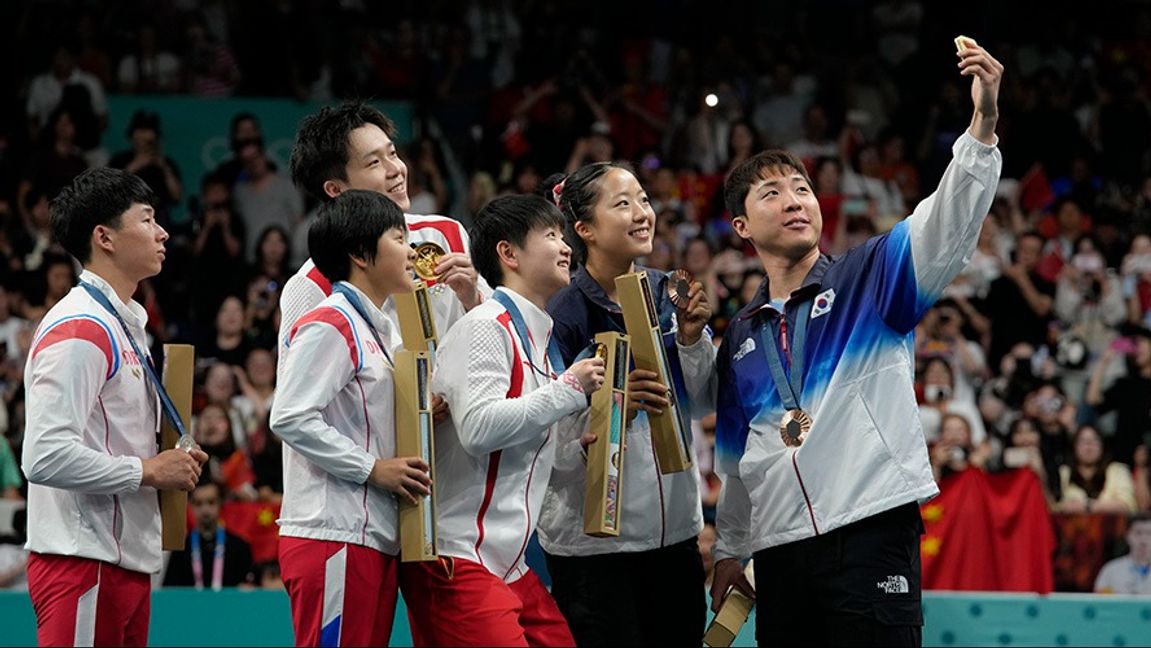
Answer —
988 532
256 523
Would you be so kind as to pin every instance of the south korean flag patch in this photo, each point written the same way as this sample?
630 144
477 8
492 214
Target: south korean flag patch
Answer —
823 302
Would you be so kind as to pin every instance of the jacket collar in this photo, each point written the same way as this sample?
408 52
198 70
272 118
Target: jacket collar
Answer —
132 312
810 286
596 294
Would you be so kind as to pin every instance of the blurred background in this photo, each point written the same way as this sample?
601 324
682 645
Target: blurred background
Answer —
1034 371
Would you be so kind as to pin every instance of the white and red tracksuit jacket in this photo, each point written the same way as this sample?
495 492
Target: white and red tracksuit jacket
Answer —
509 419
334 410
308 287
92 416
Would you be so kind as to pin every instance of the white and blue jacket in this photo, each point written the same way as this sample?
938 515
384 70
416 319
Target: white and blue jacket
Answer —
865 453
658 510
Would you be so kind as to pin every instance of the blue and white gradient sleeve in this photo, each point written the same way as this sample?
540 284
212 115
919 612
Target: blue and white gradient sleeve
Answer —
698 363
731 424
732 520
944 228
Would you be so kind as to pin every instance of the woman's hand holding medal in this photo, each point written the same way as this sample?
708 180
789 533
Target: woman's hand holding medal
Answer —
690 299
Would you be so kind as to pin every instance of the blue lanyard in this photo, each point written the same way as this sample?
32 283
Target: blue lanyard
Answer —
789 385
354 300
555 359
168 407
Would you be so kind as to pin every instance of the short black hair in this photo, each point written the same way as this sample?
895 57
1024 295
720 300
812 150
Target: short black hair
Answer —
351 226
96 197
237 119
144 120
575 194
321 149
508 218
739 181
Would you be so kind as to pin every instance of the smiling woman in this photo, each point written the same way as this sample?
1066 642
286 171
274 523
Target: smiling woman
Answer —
598 582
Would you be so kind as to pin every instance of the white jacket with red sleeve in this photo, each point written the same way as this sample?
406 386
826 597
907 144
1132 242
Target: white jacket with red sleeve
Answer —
510 412
334 410
92 417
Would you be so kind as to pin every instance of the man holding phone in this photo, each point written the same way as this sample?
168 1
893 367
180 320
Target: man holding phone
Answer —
1128 394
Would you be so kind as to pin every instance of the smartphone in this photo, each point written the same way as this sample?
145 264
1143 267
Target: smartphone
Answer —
1124 345
1016 457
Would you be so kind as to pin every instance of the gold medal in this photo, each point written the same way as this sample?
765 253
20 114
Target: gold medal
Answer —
679 287
794 426
601 351
428 256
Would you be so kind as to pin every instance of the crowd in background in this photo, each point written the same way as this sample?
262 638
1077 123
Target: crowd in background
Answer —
1038 357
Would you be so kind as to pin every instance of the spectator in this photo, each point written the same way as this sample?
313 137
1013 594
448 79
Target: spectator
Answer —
955 452
244 130
940 334
217 252
1054 416
11 479
939 400
227 466
481 190
148 69
985 267
1025 447
10 327
55 161
828 191
228 341
210 68
266 453
262 312
697 260
213 558
147 159
1091 481
257 382
896 168
780 116
33 239
57 275
1131 572
1024 294
1139 472
426 186
817 140
1136 276
67 86
743 141
220 389
864 178
1128 394
90 54
272 259
262 196
1065 227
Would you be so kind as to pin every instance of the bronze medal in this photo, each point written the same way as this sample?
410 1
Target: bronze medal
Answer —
679 287
794 426
428 256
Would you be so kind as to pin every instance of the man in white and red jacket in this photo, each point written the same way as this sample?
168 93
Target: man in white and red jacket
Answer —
334 410
512 410
90 445
351 146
